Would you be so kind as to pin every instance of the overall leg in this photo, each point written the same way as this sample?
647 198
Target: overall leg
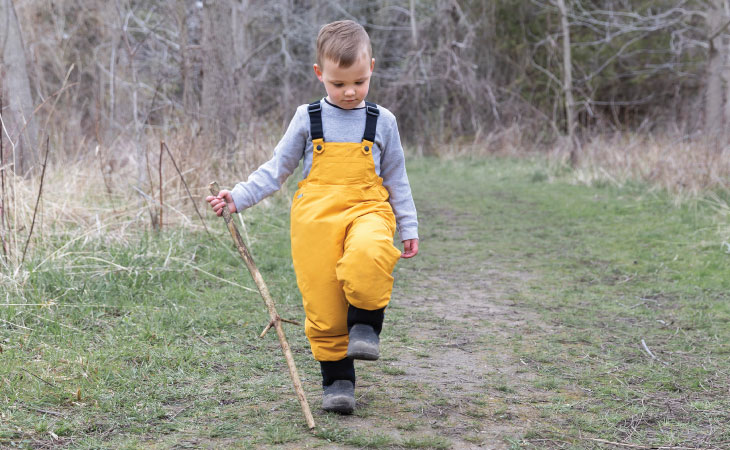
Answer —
365 273
316 247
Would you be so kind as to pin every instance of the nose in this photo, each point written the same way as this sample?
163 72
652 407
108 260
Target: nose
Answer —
350 92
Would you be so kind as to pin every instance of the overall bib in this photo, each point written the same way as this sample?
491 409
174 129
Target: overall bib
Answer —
342 229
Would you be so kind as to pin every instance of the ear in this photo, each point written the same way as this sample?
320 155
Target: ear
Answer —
372 64
318 72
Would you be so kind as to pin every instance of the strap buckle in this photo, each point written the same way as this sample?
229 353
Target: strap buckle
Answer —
314 107
372 110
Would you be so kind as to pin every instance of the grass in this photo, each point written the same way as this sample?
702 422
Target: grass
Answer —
609 267
151 341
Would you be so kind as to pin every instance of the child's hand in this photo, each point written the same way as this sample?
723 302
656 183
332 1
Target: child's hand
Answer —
217 202
410 248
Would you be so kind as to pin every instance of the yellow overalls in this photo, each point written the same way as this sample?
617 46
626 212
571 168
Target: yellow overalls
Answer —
342 229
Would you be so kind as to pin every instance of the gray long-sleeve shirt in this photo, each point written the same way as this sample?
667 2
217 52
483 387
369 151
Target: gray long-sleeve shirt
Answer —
340 125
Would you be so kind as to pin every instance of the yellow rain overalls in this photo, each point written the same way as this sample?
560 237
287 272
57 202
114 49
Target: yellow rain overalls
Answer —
342 229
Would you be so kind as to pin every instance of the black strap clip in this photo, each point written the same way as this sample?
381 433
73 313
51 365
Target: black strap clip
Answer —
314 107
372 110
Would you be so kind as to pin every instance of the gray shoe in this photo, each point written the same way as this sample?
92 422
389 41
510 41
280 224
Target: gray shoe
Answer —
339 397
364 343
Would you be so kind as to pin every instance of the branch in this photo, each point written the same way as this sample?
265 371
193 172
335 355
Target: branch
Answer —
37 200
162 143
720 30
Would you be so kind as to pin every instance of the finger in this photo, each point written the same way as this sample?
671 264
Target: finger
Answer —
410 249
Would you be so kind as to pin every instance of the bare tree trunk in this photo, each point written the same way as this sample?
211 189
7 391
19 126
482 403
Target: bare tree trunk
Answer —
140 150
714 92
18 115
414 27
217 103
568 84
185 65
724 51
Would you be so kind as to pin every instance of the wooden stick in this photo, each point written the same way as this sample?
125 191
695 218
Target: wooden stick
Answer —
169 153
273 315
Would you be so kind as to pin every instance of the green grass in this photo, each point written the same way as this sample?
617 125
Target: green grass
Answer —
143 345
608 268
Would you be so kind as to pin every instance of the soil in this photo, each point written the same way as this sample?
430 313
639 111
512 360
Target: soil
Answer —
450 357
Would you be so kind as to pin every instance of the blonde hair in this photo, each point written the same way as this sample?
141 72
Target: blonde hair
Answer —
342 42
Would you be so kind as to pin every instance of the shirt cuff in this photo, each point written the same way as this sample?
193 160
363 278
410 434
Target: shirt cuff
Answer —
240 198
407 233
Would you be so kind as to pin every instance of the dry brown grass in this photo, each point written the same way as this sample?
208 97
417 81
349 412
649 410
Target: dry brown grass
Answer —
98 197
688 169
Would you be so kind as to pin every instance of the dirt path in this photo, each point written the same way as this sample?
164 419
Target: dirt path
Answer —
454 376
462 367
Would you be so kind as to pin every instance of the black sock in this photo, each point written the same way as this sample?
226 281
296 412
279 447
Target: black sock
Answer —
373 318
332 371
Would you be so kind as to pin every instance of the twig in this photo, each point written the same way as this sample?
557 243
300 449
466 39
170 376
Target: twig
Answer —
653 447
266 328
36 376
273 315
186 187
2 183
16 325
643 344
159 168
201 338
271 324
180 412
56 95
37 200
43 411
646 348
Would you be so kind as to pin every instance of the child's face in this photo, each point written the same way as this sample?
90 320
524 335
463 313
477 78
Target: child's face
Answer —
346 87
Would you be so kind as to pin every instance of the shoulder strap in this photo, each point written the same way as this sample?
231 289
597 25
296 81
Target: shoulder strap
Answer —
371 121
315 120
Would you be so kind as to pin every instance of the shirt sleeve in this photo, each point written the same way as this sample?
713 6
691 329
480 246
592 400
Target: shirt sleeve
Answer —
269 178
395 180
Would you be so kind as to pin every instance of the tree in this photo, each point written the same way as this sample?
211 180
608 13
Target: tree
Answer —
717 106
568 83
22 131
218 97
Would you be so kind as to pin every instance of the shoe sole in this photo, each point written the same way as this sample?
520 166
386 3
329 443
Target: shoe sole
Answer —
341 404
361 350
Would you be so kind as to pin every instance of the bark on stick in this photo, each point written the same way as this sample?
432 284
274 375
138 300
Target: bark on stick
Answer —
273 315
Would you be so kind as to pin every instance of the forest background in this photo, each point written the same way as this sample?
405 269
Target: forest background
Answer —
108 80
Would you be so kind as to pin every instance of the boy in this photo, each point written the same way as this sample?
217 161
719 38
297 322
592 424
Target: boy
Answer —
344 214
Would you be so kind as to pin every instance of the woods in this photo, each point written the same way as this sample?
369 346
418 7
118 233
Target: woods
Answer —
453 71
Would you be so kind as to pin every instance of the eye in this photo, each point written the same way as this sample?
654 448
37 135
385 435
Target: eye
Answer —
359 83
337 84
